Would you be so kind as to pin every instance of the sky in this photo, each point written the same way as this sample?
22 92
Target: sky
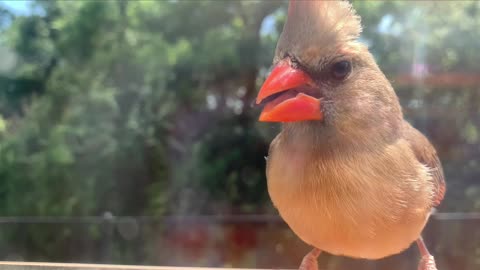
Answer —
268 25
18 7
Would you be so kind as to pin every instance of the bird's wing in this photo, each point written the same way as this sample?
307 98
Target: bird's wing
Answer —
426 154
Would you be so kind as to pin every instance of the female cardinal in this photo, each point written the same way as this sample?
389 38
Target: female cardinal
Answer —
347 173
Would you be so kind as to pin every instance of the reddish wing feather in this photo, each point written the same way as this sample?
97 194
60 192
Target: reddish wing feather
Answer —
427 155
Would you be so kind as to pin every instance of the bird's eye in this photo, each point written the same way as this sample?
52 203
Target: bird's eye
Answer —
341 69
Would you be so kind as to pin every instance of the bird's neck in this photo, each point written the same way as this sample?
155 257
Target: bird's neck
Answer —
319 137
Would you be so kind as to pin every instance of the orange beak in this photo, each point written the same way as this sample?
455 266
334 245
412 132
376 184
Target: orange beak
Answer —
290 106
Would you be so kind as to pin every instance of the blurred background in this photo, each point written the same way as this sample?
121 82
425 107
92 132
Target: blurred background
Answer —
128 135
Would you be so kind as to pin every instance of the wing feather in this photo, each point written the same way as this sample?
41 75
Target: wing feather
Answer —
427 155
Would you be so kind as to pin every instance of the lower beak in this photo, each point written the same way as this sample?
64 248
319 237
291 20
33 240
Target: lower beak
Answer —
288 107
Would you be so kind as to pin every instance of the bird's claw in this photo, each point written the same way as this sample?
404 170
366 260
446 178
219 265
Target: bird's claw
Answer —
427 263
309 262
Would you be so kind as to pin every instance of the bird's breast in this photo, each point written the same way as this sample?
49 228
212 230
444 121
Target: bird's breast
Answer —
356 204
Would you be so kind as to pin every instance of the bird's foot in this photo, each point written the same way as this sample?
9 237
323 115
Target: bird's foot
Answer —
309 262
427 263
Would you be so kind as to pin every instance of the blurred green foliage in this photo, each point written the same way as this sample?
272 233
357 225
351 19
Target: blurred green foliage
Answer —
145 107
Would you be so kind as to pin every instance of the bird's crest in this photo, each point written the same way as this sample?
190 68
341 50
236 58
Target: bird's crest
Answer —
319 24
335 16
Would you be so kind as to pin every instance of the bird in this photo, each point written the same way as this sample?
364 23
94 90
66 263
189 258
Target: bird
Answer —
347 173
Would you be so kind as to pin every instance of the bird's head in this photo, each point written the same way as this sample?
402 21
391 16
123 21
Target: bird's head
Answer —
323 79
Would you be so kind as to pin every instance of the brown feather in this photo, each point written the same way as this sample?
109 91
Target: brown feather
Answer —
427 155
367 203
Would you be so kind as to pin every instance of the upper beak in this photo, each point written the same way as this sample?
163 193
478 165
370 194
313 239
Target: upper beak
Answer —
283 77
288 108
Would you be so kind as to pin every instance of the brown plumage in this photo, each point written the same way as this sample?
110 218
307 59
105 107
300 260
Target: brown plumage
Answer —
347 173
